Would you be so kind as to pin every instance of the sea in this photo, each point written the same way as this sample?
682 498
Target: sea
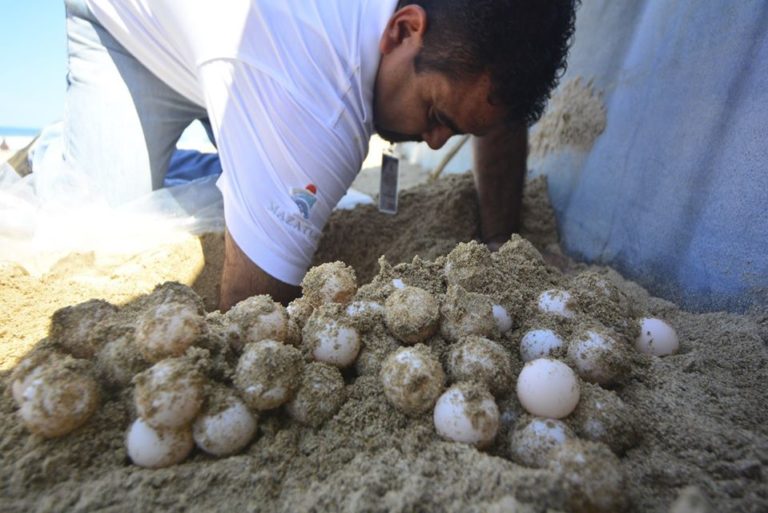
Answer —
17 137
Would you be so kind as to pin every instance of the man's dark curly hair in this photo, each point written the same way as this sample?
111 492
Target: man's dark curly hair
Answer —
522 44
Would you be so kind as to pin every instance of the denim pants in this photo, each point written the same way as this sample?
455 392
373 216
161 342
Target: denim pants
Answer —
121 122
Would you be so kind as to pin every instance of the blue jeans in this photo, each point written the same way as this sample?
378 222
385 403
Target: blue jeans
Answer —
121 122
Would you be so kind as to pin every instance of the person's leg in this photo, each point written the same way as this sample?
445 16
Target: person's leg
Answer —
121 121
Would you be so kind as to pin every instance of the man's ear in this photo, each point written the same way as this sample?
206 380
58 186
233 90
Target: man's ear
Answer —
405 27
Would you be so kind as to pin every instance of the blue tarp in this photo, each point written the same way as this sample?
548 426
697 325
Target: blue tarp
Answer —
674 193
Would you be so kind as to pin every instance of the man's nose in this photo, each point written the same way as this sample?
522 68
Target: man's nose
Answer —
437 137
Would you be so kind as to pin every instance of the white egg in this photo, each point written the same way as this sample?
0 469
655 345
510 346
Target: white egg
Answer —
156 448
598 358
467 413
169 394
268 374
657 338
226 426
257 318
398 283
556 302
533 439
540 343
482 360
412 379
548 388
332 341
503 319
56 399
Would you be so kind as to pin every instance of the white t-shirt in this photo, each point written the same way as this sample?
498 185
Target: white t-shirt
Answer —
288 86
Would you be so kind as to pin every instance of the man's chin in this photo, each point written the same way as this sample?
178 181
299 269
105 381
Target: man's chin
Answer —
396 137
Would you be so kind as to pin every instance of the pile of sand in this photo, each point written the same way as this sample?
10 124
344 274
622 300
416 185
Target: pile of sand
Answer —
700 414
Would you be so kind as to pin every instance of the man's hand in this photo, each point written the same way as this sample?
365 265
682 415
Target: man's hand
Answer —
499 170
241 278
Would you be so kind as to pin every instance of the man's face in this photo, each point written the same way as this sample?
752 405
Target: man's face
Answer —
426 106
431 107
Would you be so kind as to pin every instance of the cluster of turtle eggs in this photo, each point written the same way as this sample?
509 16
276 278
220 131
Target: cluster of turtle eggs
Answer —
292 357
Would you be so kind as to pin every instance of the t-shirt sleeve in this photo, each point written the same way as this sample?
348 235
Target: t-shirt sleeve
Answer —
285 164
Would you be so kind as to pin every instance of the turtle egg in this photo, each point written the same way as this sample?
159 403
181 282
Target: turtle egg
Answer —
598 358
467 413
412 379
656 338
257 318
169 394
319 396
555 302
168 329
226 425
156 448
482 360
533 439
333 282
466 313
268 374
398 283
412 314
56 399
73 326
592 476
539 344
548 388
330 338
25 369
503 320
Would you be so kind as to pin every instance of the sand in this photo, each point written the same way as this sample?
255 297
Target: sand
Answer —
699 416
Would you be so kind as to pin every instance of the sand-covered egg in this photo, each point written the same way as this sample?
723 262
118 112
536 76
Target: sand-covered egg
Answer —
467 265
413 379
466 313
331 337
596 294
119 360
412 314
226 425
556 302
534 438
168 329
467 413
548 388
169 394
598 357
482 360
601 416
657 338
257 318
592 475
320 395
58 397
333 282
540 343
156 448
25 369
268 374
73 327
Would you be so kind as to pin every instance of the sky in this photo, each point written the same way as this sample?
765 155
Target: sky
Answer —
33 62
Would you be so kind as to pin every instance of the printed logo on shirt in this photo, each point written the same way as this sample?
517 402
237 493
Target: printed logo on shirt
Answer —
305 198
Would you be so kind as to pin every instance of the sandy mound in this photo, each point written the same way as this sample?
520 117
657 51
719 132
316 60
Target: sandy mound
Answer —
696 418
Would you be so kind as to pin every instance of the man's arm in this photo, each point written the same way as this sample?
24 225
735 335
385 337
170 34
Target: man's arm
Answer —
499 171
241 278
